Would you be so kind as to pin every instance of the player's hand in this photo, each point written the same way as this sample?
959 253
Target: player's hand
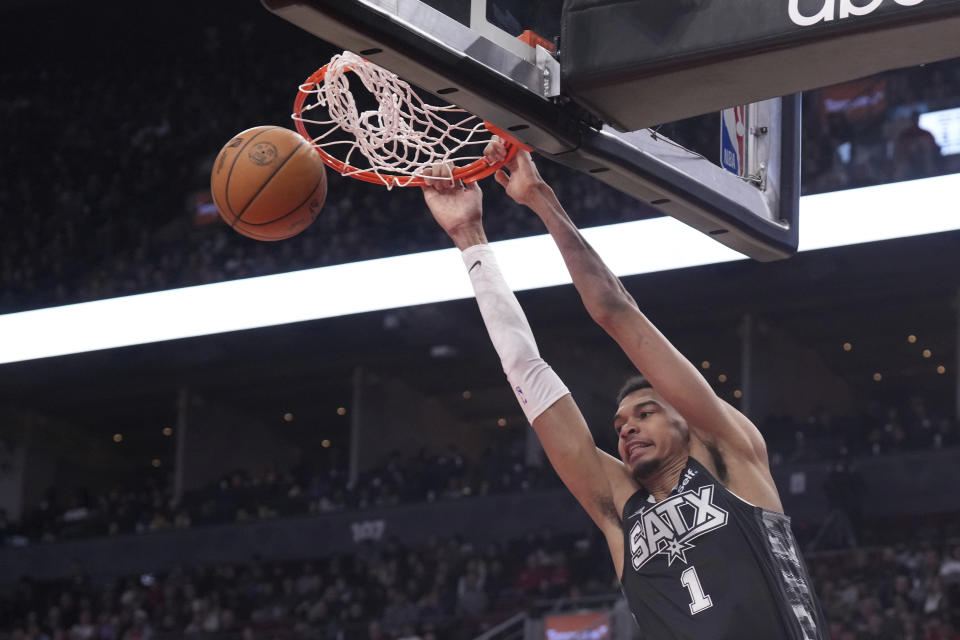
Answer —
520 178
457 207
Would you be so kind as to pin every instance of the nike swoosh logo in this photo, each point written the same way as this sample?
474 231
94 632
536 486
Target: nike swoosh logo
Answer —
474 266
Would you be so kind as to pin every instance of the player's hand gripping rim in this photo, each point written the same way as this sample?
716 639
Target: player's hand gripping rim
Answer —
519 177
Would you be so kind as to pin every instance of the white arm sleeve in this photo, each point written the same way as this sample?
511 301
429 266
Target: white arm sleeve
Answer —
534 383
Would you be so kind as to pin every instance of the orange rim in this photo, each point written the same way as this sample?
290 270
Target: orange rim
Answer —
476 170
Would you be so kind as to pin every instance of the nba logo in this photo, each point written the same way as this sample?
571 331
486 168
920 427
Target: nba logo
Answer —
733 140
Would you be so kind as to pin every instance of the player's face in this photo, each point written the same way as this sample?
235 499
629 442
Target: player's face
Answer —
650 432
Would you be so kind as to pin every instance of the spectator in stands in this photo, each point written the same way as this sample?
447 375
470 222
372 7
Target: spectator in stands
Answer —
471 597
916 153
79 234
950 568
881 593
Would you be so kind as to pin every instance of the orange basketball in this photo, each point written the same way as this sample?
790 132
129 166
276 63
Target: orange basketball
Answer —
268 183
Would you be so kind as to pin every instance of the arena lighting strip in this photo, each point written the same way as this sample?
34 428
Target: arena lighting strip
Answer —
827 220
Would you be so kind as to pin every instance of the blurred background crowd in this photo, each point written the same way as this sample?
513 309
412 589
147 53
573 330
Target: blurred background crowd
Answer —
146 502
446 588
243 495
105 193
450 588
146 128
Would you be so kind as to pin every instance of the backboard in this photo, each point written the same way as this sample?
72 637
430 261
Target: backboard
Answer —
468 52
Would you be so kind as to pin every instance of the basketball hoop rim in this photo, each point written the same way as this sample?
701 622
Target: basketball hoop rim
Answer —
473 172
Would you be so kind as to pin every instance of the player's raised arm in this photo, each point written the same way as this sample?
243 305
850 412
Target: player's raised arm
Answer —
614 309
543 397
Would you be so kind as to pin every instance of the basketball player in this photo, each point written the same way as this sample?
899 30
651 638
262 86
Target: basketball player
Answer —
689 511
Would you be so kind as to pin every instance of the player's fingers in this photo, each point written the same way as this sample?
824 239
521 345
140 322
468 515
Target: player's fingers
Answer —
429 177
522 159
502 178
442 176
490 152
495 151
438 176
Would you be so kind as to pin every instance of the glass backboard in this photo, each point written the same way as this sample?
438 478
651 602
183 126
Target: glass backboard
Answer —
468 52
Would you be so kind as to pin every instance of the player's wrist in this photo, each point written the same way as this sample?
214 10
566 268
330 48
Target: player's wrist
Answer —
467 235
543 200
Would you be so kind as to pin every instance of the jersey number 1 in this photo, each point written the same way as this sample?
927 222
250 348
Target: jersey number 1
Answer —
699 601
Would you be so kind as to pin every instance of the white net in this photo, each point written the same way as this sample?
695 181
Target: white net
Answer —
400 138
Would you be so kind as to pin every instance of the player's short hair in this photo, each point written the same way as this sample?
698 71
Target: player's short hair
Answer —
634 383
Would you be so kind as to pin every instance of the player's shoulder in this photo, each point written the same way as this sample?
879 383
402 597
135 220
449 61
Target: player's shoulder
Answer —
747 477
738 438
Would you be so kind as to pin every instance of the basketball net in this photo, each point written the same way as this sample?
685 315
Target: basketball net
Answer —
401 138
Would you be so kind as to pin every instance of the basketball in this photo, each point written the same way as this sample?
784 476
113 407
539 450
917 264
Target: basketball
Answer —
268 183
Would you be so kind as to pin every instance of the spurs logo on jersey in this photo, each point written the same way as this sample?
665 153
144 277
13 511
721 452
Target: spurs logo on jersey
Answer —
668 527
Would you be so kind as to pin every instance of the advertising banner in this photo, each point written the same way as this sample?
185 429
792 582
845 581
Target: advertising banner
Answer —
593 625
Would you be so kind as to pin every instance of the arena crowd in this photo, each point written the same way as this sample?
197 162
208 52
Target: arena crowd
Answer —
119 202
146 503
453 589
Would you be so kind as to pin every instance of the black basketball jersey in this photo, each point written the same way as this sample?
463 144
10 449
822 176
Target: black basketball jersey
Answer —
703 564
